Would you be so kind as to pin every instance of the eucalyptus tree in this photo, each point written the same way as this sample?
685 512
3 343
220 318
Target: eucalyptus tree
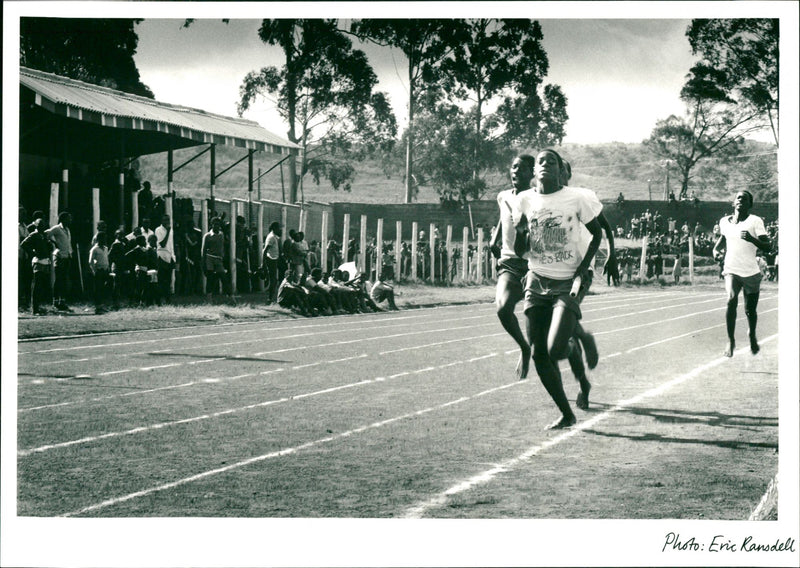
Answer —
325 93
504 59
426 44
741 56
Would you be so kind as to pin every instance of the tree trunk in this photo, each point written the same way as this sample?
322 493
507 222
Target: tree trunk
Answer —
410 140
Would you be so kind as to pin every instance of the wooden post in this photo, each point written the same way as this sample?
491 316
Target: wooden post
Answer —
449 252
691 258
379 250
414 232
362 254
303 219
53 219
480 255
204 228
398 243
260 237
168 210
643 262
213 174
464 254
346 238
96 210
232 247
121 195
134 209
285 220
323 253
432 241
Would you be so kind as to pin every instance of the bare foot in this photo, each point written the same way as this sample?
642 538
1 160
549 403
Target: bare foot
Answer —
563 422
590 348
754 347
729 350
523 364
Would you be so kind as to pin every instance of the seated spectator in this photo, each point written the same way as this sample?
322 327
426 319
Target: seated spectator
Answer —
365 303
319 300
334 294
153 294
345 295
381 291
292 296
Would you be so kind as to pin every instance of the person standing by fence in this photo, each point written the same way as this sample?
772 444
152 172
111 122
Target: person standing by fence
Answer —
61 237
270 257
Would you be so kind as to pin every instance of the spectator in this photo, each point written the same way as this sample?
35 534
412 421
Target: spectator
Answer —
296 254
677 269
39 249
292 296
99 267
152 290
318 298
339 297
120 273
334 255
346 295
137 259
270 257
143 229
61 237
36 216
192 259
144 199
213 253
381 291
165 252
24 274
102 227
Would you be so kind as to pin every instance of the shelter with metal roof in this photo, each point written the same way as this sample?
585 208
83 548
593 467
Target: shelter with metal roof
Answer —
72 121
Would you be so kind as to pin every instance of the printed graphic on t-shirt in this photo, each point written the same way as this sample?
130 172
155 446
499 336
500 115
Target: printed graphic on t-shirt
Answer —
548 238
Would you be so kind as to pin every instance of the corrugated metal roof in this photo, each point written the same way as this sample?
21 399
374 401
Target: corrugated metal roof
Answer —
115 109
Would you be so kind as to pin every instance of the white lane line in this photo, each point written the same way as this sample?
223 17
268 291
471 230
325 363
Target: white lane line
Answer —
418 510
283 452
767 503
158 426
271 328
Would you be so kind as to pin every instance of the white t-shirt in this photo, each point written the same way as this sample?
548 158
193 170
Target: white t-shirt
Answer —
167 252
597 206
555 222
508 201
740 256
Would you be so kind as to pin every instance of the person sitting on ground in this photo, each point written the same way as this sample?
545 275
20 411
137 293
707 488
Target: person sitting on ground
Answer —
381 291
366 304
291 295
346 295
334 293
318 298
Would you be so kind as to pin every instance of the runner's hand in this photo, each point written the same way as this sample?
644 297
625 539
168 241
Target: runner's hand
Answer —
611 268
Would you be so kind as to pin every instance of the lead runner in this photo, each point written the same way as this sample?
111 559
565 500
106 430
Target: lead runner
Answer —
549 236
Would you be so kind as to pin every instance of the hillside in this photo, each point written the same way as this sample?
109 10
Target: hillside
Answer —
607 168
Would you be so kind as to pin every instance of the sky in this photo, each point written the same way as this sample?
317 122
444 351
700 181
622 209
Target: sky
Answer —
619 76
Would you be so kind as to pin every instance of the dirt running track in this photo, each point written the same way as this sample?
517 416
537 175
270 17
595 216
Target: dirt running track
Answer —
408 414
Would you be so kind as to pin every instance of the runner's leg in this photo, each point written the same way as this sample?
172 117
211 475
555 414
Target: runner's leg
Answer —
509 293
540 318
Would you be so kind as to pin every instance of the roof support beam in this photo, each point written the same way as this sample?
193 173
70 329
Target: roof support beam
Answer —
190 160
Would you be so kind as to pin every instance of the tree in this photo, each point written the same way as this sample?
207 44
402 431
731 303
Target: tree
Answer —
703 133
96 51
740 57
505 57
426 44
325 93
446 147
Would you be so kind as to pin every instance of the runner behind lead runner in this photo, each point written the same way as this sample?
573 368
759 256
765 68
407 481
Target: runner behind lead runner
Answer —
741 236
611 270
511 269
549 236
